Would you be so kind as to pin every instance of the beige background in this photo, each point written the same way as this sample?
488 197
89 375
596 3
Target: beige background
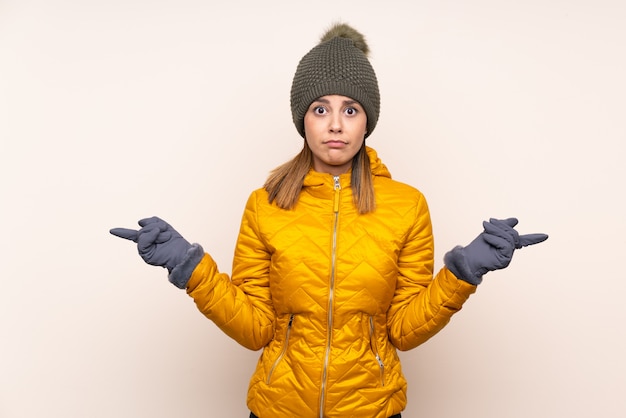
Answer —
111 111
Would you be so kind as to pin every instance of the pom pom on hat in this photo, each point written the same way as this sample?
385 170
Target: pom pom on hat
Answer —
341 30
337 65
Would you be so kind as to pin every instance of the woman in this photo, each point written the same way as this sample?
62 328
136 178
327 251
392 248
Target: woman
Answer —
333 267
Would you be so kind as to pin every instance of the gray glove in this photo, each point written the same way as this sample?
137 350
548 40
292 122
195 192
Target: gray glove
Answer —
161 245
491 250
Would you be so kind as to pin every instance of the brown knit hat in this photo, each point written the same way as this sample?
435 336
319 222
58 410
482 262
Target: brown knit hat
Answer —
337 65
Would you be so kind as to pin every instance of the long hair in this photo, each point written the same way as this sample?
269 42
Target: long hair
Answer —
285 182
361 182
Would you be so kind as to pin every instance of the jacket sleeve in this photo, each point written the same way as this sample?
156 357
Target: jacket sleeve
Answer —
240 307
422 305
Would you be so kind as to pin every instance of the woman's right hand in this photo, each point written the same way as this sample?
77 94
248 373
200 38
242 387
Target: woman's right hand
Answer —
157 242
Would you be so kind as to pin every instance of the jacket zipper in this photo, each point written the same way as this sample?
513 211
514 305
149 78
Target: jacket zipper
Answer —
331 296
381 365
283 351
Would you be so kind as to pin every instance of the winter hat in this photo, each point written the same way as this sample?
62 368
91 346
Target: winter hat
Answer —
337 65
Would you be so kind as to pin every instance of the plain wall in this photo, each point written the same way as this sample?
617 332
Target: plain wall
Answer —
111 111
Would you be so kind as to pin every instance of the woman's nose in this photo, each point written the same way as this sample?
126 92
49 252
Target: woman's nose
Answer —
335 124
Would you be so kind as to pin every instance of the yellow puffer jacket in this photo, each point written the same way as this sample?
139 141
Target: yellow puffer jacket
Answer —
330 295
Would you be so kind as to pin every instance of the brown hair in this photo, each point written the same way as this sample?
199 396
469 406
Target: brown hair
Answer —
285 181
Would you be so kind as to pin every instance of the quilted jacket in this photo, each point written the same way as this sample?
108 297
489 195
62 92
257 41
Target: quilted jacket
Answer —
329 295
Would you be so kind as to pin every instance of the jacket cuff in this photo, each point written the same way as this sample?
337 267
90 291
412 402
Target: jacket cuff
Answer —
182 272
457 263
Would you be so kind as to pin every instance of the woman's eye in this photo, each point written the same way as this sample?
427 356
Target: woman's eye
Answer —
319 110
351 111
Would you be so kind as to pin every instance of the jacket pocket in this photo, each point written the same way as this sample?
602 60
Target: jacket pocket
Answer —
374 348
282 351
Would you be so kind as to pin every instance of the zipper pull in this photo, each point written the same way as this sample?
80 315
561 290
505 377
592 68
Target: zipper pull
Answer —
337 189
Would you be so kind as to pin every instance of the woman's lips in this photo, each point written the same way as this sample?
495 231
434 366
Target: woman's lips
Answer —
335 144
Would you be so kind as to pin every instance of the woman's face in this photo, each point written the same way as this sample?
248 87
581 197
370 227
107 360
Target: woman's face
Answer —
334 128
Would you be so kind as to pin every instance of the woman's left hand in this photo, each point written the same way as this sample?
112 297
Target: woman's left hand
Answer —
491 250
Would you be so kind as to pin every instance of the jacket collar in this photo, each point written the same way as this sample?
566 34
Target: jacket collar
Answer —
316 179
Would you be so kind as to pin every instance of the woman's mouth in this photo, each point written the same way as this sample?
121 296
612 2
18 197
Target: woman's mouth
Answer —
335 143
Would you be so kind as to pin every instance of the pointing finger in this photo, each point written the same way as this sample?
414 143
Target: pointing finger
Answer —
125 233
531 239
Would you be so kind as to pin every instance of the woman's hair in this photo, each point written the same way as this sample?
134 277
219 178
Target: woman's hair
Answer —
285 182
361 182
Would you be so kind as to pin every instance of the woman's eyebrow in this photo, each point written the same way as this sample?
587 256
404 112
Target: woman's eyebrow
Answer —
326 101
